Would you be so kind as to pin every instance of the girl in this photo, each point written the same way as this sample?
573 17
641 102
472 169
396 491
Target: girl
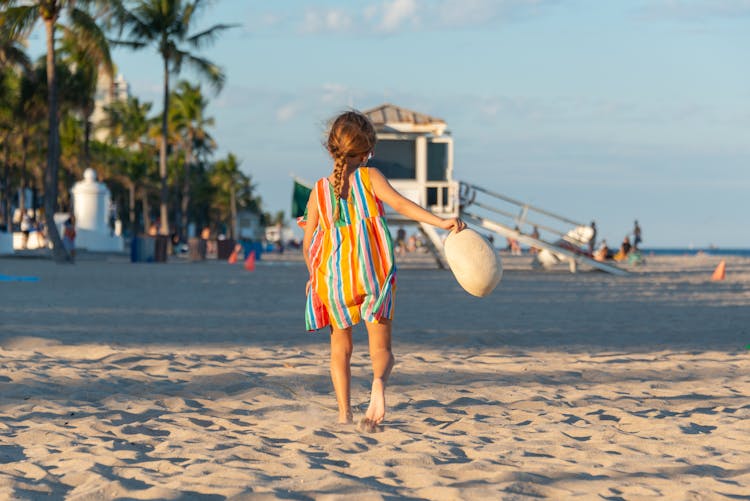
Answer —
349 255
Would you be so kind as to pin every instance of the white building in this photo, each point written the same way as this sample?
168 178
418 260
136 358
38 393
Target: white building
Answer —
415 152
107 92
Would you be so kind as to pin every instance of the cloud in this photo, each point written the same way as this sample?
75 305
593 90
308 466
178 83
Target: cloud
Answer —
394 16
397 13
326 21
316 101
287 112
476 13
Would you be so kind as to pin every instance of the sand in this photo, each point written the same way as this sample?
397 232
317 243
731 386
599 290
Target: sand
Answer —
197 381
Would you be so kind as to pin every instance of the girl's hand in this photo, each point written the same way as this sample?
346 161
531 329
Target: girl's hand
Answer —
453 224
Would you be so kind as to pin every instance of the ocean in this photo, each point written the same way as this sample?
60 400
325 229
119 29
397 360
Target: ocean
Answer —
694 251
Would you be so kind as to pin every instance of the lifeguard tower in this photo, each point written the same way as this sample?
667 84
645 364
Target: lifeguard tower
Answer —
415 152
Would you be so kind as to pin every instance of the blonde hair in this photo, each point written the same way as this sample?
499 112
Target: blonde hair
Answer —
351 136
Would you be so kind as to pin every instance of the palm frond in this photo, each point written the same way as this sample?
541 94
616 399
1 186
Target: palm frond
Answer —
13 55
209 36
207 70
114 14
18 22
190 10
91 39
127 43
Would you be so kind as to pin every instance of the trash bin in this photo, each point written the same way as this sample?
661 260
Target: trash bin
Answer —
196 249
224 248
160 248
142 250
135 254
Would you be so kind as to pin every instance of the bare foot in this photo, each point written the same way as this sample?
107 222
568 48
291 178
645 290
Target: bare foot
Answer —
366 426
376 411
346 417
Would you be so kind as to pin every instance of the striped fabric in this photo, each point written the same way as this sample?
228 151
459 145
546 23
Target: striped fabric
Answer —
354 269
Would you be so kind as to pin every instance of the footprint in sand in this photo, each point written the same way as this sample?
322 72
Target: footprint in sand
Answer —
697 429
578 439
603 416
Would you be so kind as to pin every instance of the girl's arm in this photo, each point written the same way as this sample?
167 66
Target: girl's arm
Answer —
385 192
310 226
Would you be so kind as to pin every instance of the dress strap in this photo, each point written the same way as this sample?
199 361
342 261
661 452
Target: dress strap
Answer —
325 204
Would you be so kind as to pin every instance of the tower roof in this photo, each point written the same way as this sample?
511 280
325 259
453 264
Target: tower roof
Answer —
388 117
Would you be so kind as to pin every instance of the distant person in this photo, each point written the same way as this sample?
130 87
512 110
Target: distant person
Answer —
411 246
351 265
535 235
625 247
35 231
202 245
401 241
592 242
69 237
41 233
602 253
25 228
513 246
636 234
112 210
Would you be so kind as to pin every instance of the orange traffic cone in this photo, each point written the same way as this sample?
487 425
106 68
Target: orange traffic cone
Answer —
720 272
250 261
233 256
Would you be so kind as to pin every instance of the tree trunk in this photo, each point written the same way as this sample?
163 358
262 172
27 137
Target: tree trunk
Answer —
6 187
87 112
186 189
131 208
24 173
53 152
164 212
146 211
233 209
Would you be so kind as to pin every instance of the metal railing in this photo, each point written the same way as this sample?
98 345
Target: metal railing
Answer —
522 215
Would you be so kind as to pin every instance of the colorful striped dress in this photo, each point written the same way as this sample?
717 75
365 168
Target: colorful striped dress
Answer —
354 272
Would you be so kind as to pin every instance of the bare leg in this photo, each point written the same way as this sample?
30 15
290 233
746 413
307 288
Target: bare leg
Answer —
341 372
382 362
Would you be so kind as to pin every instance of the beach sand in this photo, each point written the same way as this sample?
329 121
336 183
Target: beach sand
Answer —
198 381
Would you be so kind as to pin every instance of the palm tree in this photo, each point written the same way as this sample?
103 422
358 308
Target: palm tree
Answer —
19 18
225 175
188 115
85 60
232 188
9 93
167 24
13 61
128 125
28 118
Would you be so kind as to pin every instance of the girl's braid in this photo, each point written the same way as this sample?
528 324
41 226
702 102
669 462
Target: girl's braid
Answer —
339 171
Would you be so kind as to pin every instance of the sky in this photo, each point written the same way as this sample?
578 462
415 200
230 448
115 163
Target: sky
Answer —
598 110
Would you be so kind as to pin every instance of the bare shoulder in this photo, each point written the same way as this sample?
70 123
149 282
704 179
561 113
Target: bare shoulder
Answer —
377 179
374 172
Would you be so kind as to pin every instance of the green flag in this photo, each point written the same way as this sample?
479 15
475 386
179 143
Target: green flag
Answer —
300 195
